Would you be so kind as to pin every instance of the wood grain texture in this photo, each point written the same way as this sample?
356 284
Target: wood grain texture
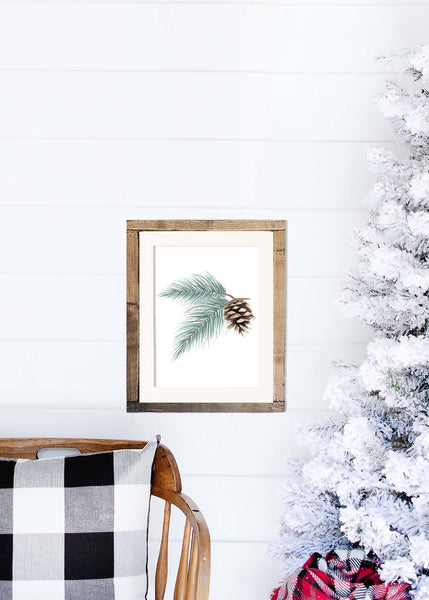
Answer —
161 573
205 225
193 570
133 321
200 533
204 407
182 574
166 473
278 228
279 317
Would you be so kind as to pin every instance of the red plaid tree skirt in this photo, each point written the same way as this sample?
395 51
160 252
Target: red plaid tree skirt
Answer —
342 574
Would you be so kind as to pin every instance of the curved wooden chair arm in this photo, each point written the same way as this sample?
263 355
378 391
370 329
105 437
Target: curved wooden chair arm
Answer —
193 577
192 582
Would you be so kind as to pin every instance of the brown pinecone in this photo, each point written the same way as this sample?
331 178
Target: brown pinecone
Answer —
238 314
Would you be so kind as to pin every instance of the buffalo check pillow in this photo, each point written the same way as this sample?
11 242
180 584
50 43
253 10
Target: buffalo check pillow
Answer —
75 528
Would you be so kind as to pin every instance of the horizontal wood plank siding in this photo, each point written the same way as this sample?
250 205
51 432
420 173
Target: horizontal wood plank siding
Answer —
90 374
167 106
276 37
112 110
63 307
234 451
317 240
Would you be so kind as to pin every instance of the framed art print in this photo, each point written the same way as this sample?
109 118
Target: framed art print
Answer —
205 316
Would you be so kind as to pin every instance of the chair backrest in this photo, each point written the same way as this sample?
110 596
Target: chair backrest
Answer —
192 581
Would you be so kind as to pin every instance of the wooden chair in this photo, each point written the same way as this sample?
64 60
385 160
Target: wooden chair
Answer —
192 581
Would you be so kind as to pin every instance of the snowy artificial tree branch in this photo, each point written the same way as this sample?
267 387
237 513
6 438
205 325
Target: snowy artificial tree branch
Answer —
366 479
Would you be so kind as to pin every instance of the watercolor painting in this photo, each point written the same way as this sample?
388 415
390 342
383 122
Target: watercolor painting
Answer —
208 311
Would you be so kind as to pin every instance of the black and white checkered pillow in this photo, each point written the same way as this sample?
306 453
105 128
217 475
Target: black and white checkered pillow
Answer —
75 528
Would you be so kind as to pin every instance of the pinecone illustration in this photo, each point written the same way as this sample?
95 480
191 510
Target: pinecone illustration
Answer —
238 314
208 311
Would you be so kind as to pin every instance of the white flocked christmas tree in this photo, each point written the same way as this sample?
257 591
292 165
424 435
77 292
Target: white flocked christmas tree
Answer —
366 481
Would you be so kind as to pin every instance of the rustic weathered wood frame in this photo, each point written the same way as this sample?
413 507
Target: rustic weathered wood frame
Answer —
193 574
278 228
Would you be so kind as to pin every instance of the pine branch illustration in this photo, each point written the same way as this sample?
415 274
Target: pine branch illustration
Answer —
197 289
202 325
209 310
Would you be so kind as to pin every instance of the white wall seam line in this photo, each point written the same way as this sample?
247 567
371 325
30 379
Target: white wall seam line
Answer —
220 2
187 139
199 71
184 209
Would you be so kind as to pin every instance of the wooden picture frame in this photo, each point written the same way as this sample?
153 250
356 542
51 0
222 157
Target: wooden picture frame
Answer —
174 239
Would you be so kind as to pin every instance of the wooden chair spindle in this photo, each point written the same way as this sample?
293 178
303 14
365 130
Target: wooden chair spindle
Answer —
162 564
193 570
182 575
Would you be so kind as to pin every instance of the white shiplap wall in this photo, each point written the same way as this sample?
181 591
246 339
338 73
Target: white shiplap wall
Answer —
115 110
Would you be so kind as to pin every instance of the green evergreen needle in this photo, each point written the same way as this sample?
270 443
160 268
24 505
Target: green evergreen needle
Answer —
202 325
205 297
196 289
